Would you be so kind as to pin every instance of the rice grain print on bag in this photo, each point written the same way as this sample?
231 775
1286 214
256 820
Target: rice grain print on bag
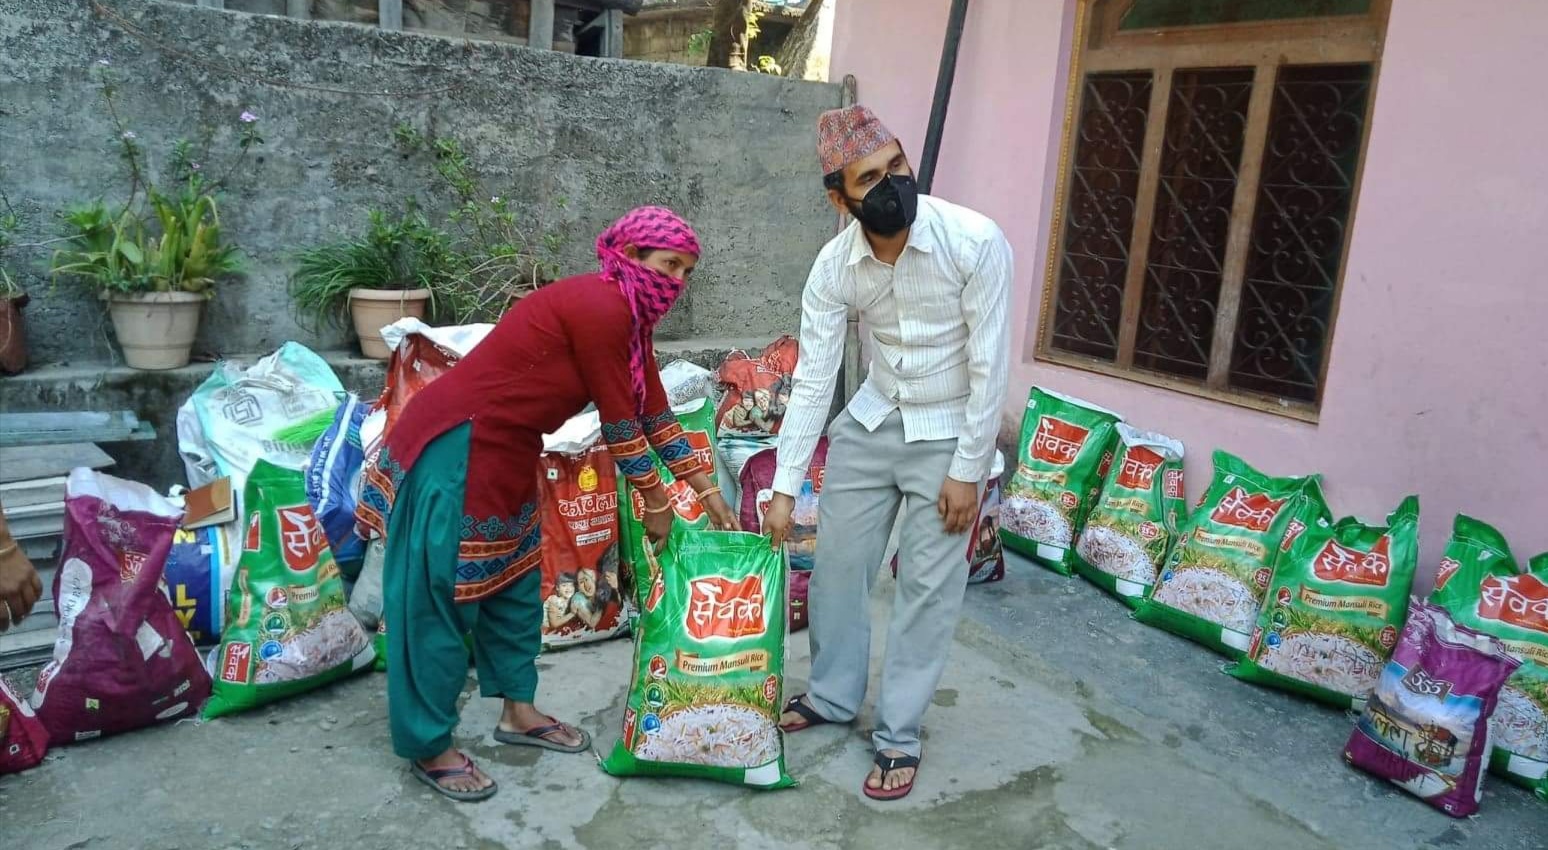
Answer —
709 657
1065 450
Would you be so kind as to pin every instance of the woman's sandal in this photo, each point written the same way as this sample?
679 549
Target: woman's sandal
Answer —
888 764
809 715
432 776
539 737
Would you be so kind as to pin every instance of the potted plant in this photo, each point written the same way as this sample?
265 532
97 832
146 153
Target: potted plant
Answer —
154 271
13 327
397 269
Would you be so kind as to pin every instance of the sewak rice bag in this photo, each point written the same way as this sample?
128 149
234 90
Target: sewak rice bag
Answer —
698 420
122 660
1426 726
1066 447
1213 583
1135 520
1335 606
287 628
709 653
1478 585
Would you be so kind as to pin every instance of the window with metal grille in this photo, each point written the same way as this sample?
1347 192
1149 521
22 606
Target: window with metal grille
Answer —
1208 178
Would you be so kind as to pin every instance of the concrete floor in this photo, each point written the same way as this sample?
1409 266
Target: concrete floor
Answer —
1060 724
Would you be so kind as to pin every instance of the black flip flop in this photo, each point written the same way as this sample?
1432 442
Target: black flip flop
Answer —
888 764
809 715
539 737
432 776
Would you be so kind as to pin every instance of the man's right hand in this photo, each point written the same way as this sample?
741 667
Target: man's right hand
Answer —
776 518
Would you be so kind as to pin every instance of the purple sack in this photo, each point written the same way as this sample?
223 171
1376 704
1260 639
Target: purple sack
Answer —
122 659
758 490
1426 726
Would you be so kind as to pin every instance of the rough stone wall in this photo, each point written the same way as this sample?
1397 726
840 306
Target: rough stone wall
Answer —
576 141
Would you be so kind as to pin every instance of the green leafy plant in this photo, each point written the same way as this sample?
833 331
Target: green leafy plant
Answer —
156 241
501 252
10 223
396 252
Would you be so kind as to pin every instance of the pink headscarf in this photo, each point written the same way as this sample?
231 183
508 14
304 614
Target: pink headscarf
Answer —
650 293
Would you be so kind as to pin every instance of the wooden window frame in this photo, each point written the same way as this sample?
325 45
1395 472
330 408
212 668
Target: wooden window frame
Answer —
1098 45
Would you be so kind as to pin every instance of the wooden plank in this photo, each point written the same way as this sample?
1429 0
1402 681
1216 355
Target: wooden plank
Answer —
1073 102
23 464
301 9
1333 50
26 645
1288 408
1240 233
28 528
1144 214
540 25
389 14
39 491
41 429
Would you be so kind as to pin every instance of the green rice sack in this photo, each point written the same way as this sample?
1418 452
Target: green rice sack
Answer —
1336 603
1135 520
1066 448
287 628
1480 588
698 420
1213 583
709 655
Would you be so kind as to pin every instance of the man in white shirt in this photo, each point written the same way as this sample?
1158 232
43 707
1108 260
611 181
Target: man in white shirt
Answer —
931 282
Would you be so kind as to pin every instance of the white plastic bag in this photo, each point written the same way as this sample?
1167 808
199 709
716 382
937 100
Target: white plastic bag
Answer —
238 416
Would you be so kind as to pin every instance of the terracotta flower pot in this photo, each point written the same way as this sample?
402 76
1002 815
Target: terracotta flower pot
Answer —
13 334
156 330
374 309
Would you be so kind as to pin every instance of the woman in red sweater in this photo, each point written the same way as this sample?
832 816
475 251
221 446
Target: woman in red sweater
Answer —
454 490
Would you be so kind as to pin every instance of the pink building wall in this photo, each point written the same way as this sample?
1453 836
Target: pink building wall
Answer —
1438 378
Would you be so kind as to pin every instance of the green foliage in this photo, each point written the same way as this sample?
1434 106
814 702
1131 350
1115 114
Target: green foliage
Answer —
157 240
395 252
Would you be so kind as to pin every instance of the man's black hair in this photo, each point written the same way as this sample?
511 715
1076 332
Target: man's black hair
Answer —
834 181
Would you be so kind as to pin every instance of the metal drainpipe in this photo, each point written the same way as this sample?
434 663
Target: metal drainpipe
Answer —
943 81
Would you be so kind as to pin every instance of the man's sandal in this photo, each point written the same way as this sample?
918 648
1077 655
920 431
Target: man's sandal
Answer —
888 764
432 776
809 715
542 737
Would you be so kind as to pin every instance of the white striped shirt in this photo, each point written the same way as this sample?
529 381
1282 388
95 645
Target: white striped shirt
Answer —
938 325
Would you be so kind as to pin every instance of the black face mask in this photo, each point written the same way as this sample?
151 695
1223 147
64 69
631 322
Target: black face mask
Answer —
889 207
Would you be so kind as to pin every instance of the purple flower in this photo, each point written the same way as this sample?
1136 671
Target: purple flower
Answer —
248 118
193 166
129 136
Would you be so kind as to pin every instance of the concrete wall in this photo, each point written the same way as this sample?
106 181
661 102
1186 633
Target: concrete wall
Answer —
577 141
1438 381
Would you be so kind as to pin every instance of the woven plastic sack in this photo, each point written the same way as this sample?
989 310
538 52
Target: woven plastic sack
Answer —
1479 586
578 506
1426 726
23 740
801 543
122 660
199 570
685 381
698 420
287 628
1135 520
274 410
709 657
1335 606
1212 586
757 389
1066 447
333 480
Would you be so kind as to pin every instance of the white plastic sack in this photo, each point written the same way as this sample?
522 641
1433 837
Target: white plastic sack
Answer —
685 381
238 416
458 339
